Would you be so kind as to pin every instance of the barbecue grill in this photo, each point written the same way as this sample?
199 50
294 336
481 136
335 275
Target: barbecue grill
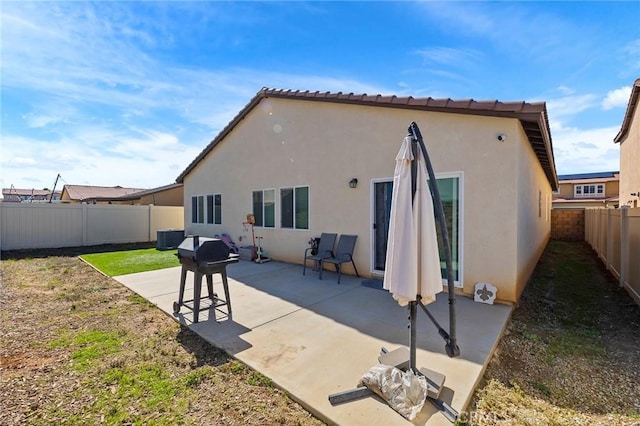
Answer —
203 256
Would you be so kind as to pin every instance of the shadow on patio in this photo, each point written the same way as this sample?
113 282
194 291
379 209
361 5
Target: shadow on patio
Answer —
314 338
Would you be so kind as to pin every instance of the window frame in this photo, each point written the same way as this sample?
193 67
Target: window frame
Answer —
214 209
295 226
197 209
263 213
458 251
589 190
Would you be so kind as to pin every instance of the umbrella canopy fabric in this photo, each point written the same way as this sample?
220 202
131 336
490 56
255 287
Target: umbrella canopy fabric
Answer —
412 265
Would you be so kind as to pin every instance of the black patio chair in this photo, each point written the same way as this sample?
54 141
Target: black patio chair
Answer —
325 250
344 254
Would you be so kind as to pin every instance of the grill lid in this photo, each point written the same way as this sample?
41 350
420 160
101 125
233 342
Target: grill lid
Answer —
203 249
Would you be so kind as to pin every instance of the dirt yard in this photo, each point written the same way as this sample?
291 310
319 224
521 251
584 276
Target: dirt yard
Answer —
571 352
78 348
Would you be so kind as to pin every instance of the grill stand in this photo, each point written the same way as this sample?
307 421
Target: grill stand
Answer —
206 269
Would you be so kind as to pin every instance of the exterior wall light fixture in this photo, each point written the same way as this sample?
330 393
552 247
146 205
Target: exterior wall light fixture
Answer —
353 183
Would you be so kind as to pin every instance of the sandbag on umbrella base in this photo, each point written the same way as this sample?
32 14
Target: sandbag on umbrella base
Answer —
405 392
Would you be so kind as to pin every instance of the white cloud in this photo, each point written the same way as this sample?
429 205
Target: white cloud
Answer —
568 106
140 158
103 109
584 151
631 51
617 98
449 56
565 91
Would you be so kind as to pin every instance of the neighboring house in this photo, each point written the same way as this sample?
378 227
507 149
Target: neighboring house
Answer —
17 195
168 195
629 140
96 194
304 163
578 191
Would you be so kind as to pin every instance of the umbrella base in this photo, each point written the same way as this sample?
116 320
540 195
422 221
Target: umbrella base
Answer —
399 358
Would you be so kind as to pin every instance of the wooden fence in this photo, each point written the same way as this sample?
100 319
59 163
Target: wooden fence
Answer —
33 226
615 235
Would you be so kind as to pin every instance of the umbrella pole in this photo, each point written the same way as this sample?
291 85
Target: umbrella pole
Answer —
451 345
412 331
413 304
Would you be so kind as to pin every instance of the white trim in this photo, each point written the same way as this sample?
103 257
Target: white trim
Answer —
204 210
275 207
213 209
294 187
372 218
447 175
595 194
461 213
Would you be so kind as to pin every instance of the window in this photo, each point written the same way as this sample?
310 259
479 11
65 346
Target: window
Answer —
449 189
539 203
591 190
214 209
264 208
294 207
197 209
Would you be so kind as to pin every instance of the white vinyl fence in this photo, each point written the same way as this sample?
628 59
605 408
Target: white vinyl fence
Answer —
33 226
615 235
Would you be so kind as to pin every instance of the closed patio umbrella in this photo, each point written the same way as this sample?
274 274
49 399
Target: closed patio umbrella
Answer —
412 268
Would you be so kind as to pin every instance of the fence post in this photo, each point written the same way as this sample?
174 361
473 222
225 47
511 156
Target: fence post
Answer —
85 223
609 236
587 227
624 244
149 215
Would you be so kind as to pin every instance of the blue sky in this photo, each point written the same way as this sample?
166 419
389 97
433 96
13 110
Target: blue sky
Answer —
128 93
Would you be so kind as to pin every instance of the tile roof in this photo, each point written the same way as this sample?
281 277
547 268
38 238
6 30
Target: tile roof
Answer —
27 192
631 106
89 192
532 116
586 200
142 193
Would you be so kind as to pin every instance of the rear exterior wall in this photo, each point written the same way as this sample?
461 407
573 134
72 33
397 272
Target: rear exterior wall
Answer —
283 143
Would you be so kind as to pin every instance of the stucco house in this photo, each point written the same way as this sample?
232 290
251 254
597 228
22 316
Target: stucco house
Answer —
629 140
167 195
310 162
582 190
92 194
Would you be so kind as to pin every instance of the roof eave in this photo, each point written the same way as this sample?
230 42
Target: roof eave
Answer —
631 106
533 117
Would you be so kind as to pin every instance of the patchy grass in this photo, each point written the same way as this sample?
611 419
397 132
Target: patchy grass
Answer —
570 353
116 263
82 349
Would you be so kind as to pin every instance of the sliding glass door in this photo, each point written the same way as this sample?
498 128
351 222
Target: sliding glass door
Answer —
450 187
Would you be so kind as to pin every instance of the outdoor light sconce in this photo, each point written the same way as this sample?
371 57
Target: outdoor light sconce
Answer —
353 183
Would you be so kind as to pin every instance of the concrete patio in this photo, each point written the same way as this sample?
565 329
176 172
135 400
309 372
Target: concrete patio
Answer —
315 338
